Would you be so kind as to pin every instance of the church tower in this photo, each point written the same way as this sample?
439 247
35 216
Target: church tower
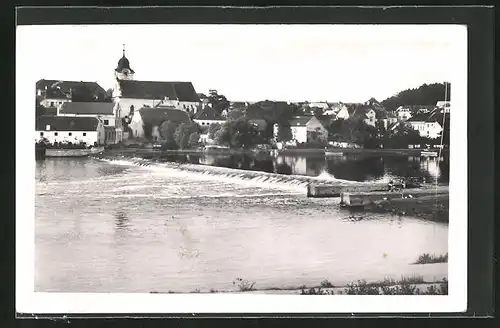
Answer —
123 70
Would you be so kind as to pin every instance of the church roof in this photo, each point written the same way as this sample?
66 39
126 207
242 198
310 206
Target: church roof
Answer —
157 115
87 108
182 91
65 123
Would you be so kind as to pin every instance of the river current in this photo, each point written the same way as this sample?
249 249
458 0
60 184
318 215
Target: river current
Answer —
127 226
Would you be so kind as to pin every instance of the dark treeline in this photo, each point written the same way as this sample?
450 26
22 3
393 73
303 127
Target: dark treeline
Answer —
426 94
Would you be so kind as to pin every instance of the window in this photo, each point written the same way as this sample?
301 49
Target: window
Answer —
69 134
55 133
84 134
106 122
41 134
51 104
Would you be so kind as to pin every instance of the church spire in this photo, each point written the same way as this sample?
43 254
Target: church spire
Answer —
124 50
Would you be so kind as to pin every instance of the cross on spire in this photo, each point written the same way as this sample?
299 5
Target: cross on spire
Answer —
124 50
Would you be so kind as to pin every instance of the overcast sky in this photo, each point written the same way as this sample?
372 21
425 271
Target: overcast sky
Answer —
349 63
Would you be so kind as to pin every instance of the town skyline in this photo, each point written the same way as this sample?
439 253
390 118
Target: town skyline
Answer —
368 61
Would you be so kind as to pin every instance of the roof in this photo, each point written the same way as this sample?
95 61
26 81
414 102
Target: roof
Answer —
123 63
65 123
202 95
208 113
362 111
156 116
87 108
182 91
65 86
300 120
419 118
235 114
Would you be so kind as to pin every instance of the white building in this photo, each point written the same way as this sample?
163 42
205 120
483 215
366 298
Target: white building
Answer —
130 94
426 127
444 106
302 128
403 113
107 112
207 117
89 130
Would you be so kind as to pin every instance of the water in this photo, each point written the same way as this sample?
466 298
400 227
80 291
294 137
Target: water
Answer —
121 227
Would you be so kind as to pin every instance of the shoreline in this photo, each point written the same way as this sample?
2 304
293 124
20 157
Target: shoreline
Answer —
294 151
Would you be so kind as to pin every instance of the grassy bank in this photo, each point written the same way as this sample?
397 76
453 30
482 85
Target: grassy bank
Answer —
432 207
413 285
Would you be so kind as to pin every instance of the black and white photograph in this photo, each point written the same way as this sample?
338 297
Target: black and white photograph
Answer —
241 168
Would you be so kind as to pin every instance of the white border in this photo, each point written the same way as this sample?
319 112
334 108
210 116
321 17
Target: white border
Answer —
27 301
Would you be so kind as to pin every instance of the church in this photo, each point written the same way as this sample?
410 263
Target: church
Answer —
130 94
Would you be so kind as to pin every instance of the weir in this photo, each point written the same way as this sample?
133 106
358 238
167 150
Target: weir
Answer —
299 183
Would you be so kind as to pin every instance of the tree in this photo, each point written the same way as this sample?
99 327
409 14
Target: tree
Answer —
213 129
194 139
218 102
167 130
182 134
148 130
284 132
238 134
426 94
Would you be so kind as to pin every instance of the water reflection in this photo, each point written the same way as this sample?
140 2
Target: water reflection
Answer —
121 221
355 167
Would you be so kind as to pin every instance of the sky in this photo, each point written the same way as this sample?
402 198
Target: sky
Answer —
349 63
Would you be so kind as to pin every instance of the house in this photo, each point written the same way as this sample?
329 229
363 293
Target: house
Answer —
444 106
131 94
154 117
260 124
53 93
343 113
305 129
241 105
427 127
367 114
107 112
320 104
89 130
208 116
403 113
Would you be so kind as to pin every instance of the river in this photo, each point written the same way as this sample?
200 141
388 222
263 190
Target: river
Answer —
132 225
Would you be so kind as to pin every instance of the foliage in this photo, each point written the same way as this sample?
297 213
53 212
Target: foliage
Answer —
244 285
284 131
218 102
326 284
194 138
213 129
167 130
238 134
183 133
427 258
427 94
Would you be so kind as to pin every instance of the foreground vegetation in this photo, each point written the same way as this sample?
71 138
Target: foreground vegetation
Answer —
427 258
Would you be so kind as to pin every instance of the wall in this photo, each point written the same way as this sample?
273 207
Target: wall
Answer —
208 122
125 104
427 129
137 126
76 136
56 102
111 118
343 113
314 124
299 133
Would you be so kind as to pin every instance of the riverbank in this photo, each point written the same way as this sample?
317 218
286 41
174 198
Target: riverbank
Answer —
429 207
406 286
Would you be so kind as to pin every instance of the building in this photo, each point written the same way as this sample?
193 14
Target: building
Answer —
153 119
320 104
403 113
53 93
367 114
131 94
444 106
107 112
426 127
88 130
305 129
208 116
